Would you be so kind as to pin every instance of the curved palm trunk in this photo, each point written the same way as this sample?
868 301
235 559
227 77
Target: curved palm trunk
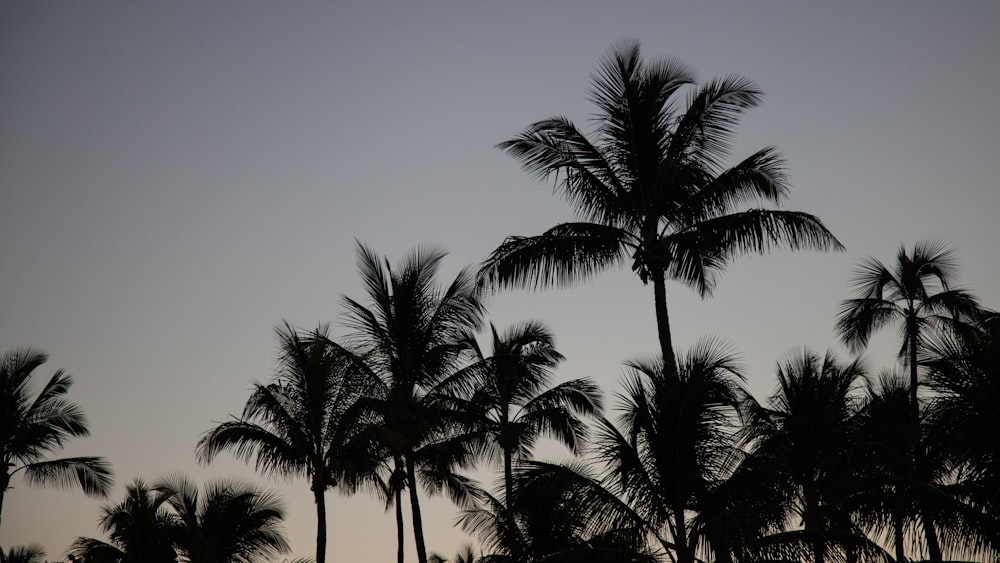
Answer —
4 482
663 322
897 536
418 523
508 478
320 496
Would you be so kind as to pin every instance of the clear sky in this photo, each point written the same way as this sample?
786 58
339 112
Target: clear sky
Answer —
178 177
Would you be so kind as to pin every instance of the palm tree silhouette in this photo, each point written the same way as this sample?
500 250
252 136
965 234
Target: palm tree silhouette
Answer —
413 336
23 554
33 428
229 522
306 423
807 436
513 405
652 187
674 446
916 293
141 529
962 420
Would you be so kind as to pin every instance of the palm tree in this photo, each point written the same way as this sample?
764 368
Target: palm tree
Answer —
305 423
808 437
917 293
513 404
33 428
141 529
674 447
230 522
962 421
413 336
652 187
23 554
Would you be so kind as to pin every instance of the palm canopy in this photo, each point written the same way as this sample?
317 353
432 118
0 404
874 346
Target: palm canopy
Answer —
307 422
511 402
23 554
412 336
141 529
673 446
652 187
33 428
227 522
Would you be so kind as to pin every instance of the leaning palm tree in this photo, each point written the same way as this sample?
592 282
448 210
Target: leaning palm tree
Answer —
227 522
306 423
513 404
23 554
140 529
916 293
32 428
412 335
651 187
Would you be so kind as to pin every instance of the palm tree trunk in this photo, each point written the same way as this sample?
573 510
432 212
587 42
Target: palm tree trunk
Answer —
399 525
4 481
681 540
897 536
663 322
913 335
508 478
418 523
320 495
930 535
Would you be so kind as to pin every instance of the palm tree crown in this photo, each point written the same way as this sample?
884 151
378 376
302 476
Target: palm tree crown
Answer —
31 429
514 404
652 187
305 423
916 292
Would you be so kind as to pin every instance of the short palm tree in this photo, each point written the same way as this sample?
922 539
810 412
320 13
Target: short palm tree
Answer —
140 529
23 554
672 446
227 522
32 428
651 187
807 436
412 335
513 403
305 423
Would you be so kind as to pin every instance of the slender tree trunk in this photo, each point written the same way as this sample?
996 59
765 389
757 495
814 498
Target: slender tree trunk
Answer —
508 478
320 495
663 322
4 482
399 525
930 534
912 333
418 523
685 553
897 536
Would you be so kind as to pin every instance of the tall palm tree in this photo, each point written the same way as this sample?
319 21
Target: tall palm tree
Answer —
23 554
31 429
306 423
513 403
412 335
652 187
917 293
227 522
141 529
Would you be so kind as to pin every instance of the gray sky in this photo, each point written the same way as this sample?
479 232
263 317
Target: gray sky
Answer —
178 177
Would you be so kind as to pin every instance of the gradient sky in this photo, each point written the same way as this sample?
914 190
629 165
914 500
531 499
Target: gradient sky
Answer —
178 177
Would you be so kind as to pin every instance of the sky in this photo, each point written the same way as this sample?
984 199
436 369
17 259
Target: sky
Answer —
176 178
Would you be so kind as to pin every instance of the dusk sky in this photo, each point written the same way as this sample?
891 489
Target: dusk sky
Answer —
178 177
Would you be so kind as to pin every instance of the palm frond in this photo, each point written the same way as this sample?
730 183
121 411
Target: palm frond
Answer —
92 474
